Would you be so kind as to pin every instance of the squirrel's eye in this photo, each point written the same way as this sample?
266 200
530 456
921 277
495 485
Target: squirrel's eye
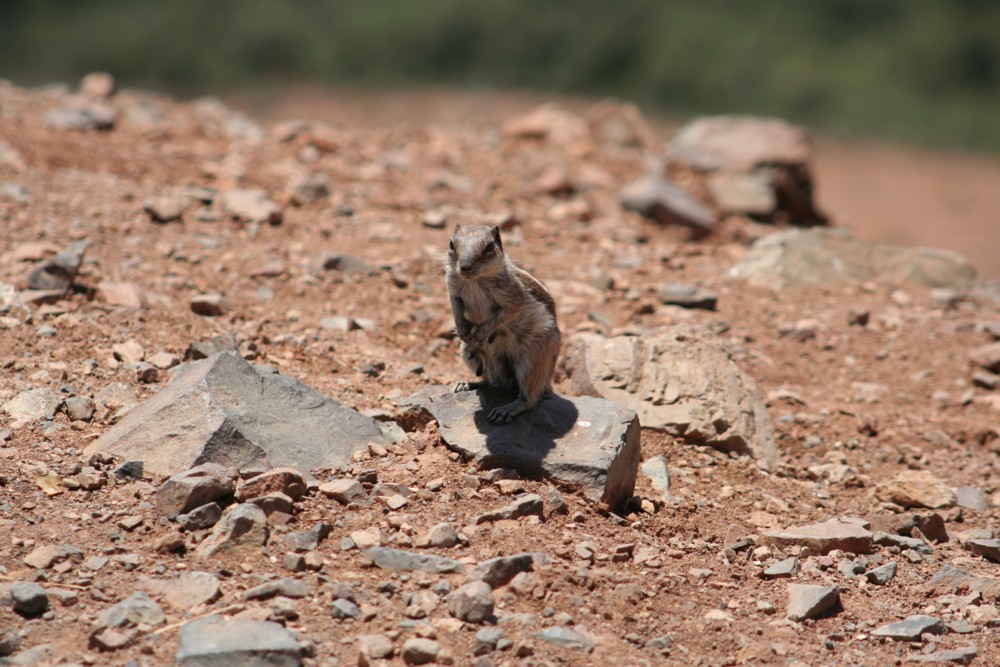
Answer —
490 247
451 246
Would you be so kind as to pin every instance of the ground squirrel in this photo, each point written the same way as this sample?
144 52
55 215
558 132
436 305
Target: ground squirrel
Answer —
505 318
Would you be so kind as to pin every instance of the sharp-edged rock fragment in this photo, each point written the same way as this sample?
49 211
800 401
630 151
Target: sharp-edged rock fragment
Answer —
681 380
406 561
345 492
910 629
783 569
656 197
217 642
242 529
822 538
988 549
58 272
288 481
820 256
527 505
882 574
916 488
135 610
810 601
201 517
588 442
498 572
45 556
951 579
223 410
187 591
288 587
189 490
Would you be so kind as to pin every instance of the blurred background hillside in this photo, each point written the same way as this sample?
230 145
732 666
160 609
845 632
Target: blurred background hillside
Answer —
925 71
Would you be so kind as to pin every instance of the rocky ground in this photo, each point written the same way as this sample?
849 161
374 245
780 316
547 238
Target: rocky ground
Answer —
834 475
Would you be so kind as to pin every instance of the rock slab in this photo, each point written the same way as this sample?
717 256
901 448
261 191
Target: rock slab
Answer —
680 380
223 410
218 642
820 256
822 538
910 629
588 442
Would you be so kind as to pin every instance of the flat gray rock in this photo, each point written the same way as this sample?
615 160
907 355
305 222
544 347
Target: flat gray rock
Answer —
960 656
136 609
223 410
882 574
988 549
589 442
821 256
406 561
656 197
822 538
681 380
951 579
910 629
809 601
567 638
218 642
783 569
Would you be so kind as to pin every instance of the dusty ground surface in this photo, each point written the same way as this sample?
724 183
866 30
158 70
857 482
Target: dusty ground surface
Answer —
882 398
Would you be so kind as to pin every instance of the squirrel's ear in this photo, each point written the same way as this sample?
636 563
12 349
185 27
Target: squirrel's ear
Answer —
457 227
496 236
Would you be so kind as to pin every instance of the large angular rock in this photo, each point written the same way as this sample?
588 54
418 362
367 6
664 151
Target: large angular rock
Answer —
655 197
757 166
589 442
680 380
822 538
798 257
223 410
739 143
951 579
217 642
187 591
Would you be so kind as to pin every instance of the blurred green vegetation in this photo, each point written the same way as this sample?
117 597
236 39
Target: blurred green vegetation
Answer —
917 70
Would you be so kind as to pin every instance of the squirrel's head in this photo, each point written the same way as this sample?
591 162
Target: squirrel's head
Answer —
476 251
